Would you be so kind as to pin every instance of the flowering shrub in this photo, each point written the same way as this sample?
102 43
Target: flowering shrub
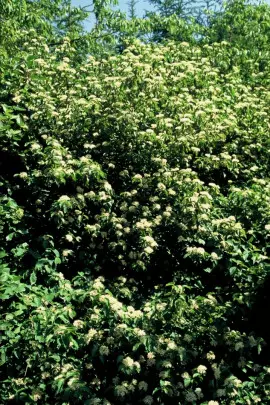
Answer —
135 232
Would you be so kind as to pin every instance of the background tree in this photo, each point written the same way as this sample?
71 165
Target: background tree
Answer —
184 8
51 20
132 8
189 11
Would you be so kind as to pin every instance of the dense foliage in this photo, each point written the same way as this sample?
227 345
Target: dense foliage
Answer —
135 215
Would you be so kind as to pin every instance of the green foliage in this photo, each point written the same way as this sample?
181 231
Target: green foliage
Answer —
134 214
243 25
184 9
132 8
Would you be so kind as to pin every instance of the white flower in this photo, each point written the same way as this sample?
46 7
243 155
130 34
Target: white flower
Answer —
161 186
187 338
163 374
95 401
142 386
45 375
23 175
128 362
191 397
104 350
252 341
78 324
40 61
64 198
210 356
267 227
37 396
214 256
143 223
194 149
151 241
148 400
148 250
217 373
139 332
19 381
213 403
198 392
72 383
238 346
69 238
123 173
237 383
221 392
62 66
120 390
172 346
17 98
167 364
202 369
196 250
91 333
66 252
166 214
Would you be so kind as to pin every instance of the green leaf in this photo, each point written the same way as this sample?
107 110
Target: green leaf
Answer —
2 254
57 260
187 382
119 359
208 270
3 358
20 250
33 278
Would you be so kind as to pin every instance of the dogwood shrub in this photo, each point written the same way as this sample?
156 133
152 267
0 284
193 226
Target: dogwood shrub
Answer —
135 225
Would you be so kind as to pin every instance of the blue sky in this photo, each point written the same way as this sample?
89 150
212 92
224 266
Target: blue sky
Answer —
140 7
